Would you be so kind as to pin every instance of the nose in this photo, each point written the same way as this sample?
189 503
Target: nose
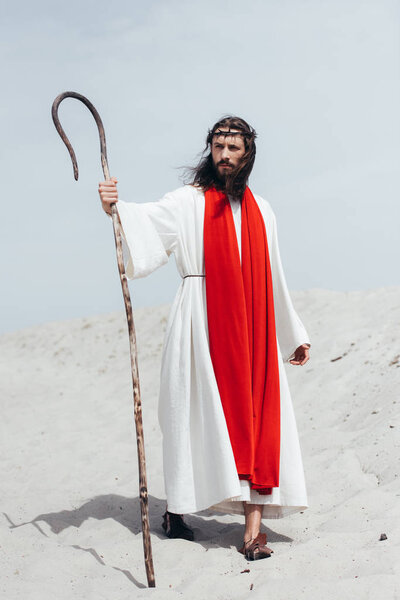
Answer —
225 154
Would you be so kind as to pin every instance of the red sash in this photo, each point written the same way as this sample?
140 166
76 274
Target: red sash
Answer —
241 325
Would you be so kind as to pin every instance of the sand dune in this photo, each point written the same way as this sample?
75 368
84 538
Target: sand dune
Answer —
70 522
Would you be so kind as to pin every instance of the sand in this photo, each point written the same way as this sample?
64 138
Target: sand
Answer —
70 517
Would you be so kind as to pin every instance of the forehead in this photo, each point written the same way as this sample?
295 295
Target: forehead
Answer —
230 136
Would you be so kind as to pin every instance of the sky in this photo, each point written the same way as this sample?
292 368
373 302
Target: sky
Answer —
319 80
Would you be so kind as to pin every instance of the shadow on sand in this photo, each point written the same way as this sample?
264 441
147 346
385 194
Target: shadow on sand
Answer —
208 530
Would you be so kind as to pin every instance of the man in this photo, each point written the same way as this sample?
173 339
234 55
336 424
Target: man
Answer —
230 441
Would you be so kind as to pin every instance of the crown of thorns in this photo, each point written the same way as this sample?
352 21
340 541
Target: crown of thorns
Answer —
234 131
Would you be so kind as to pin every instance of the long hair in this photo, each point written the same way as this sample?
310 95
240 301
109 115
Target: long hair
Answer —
204 175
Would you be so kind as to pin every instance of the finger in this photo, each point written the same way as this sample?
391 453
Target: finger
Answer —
294 362
107 188
108 194
111 182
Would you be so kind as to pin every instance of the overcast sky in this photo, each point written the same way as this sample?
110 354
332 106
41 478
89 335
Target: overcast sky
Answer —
318 79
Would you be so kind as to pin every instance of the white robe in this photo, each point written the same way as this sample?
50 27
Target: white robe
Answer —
199 466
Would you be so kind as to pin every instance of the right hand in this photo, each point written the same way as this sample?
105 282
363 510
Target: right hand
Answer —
108 194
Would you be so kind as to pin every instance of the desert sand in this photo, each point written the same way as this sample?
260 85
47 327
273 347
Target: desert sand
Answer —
70 517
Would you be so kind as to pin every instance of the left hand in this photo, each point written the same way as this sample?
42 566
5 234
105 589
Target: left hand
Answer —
301 355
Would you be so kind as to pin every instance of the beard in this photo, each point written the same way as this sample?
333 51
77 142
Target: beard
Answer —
223 175
229 180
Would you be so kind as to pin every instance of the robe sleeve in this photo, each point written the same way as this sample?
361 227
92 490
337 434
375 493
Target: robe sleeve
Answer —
290 330
150 231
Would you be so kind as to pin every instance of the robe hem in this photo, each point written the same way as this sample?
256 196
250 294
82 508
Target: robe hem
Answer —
270 511
234 505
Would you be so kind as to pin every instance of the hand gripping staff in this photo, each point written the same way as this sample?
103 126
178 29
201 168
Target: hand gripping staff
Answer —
148 558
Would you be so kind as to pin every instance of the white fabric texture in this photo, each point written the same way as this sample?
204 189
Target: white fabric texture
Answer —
199 466
236 208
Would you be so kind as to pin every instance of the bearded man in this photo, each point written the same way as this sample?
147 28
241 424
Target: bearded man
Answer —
230 440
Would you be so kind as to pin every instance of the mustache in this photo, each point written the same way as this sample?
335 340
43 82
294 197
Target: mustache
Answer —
224 162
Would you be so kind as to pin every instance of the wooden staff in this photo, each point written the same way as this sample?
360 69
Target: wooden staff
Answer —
148 557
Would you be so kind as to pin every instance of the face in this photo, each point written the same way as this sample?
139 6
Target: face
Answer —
226 152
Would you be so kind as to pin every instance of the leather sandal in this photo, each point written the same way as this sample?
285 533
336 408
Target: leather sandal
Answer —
257 548
175 527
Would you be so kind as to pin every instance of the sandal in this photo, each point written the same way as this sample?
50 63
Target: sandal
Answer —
257 549
175 527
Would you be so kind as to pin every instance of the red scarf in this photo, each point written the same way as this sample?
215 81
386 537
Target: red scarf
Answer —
241 325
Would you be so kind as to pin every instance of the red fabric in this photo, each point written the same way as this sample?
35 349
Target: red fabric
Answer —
241 325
